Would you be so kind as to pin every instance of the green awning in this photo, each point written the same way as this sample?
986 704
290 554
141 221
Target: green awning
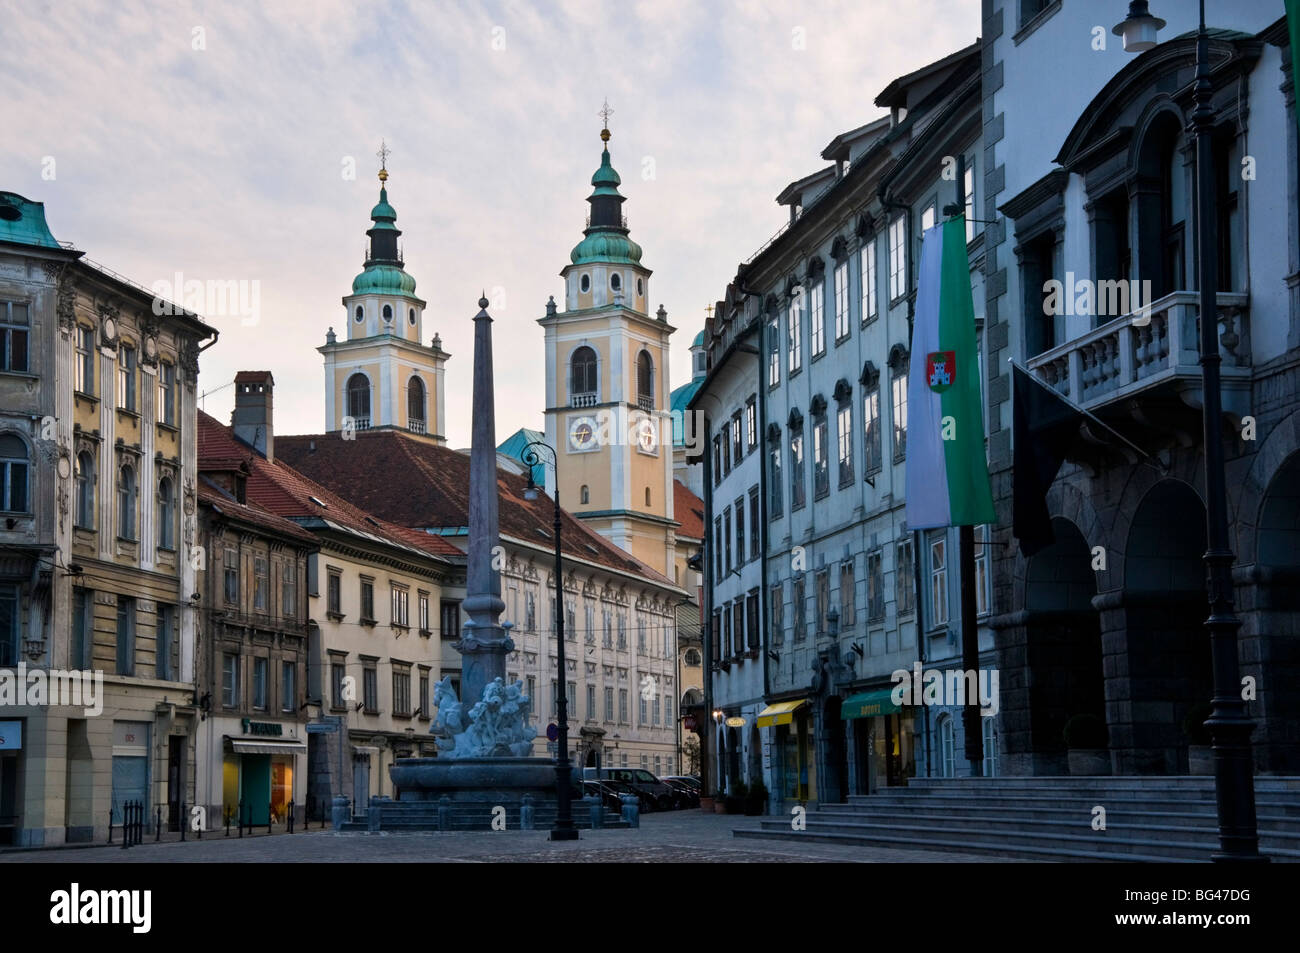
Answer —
868 704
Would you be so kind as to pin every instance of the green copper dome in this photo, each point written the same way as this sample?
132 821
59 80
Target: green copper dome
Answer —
699 340
385 280
606 179
606 239
383 214
606 247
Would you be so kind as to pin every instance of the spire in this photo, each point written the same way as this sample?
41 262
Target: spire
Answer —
606 229
383 234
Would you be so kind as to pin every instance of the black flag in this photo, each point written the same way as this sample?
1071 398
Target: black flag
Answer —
1044 426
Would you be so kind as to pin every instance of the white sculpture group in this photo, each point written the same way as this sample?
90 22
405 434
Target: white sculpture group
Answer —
495 727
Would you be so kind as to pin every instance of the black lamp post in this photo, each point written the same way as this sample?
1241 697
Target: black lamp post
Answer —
536 453
1230 726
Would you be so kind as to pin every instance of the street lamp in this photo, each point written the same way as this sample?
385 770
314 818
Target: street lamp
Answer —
536 453
1230 726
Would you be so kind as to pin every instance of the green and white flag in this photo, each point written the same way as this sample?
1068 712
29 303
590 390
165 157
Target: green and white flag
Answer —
947 471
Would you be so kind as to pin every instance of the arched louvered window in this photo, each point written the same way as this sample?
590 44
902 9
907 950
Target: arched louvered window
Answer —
415 405
583 384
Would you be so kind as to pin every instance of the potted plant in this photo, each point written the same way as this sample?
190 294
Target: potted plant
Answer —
1200 756
736 798
756 802
1085 737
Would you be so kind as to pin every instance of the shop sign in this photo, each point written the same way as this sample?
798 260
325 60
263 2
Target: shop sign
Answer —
11 735
735 721
271 728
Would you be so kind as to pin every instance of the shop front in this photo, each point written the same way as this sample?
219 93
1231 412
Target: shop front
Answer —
794 771
259 771
11 746
884 740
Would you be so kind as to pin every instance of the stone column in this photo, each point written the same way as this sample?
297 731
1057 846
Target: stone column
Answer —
483 644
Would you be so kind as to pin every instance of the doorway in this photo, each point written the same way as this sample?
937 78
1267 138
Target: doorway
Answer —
175 781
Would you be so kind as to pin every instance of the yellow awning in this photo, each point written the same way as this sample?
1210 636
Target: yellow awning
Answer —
782 713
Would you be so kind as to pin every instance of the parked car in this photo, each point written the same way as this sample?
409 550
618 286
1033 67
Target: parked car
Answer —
687 796
688 779
609 797
659 796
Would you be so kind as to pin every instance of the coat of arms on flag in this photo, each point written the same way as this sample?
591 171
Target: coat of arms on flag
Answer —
940 370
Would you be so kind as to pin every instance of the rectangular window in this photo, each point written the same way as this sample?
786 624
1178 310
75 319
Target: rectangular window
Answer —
938 580
899 394
816 319
797 499
738 437
532 691
450 620
740 531
655 708
717 459
367 600
844 442
640 632
726 539
728 630
751 426
85 360
751 621
125 635
968 184
424 692
591 702
644 706
821 458
83 616
799 606
717 548
904 587
261 583
230 680
607 619
775 493
166 410
871 454
754 535
288 686
401 689
334 594
126 378
609 704
777 597
163 647
289 589
423 603
823 593
848 597
867 269
982 579
897 258
338 670
259 683
774 352
875 588
622 705
726 447
795 341
841 301
15 325
400 598
370 688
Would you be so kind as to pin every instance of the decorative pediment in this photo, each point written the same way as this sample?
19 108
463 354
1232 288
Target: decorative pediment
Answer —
773 432
898 357
795 420
843 391
818 405
870 376
839 248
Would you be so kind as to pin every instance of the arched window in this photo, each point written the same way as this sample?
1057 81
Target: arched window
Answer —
692 659
388 314
645 381
166 515
947 760
126 502
584 495
361 314
359 400
585 284
415 419
13 474
615 282
410 316
583 382
85 490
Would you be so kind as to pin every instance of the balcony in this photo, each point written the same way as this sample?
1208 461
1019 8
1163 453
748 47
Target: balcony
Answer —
1149 354
361 423
582 400
415 425
645 402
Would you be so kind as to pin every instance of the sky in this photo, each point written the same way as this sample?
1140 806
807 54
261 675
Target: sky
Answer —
215 140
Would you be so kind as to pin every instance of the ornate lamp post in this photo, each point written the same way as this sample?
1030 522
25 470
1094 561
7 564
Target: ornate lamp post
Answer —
536 453
1230 726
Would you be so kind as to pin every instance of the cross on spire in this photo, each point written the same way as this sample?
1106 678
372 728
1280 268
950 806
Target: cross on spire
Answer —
708 309
383 154
604 114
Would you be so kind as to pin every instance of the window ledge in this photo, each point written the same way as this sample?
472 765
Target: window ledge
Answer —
426 633
170 428
127 412
23 375
1041 17
81 395
368 622
335 616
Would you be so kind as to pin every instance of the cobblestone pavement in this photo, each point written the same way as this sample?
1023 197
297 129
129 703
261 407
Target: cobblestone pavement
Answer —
678 837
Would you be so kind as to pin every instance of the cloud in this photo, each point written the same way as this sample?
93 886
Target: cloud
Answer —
225 162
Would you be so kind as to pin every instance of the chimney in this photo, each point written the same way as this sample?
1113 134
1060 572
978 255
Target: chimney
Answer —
252 417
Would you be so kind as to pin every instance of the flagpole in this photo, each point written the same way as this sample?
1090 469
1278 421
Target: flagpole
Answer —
1100 423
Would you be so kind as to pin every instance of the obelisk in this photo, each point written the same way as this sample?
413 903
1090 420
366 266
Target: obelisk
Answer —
483 644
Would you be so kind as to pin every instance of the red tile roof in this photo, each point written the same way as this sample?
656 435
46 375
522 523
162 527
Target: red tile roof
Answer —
278 489
251 513
422 485
688 509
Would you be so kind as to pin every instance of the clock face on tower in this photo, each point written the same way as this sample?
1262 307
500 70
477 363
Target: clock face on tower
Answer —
582 433
646 437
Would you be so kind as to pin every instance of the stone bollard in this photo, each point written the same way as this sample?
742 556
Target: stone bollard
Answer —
340 812
631 810
526 813
444 813
372 818
597 812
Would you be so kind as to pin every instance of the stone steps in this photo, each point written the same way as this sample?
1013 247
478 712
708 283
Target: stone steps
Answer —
1147 819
